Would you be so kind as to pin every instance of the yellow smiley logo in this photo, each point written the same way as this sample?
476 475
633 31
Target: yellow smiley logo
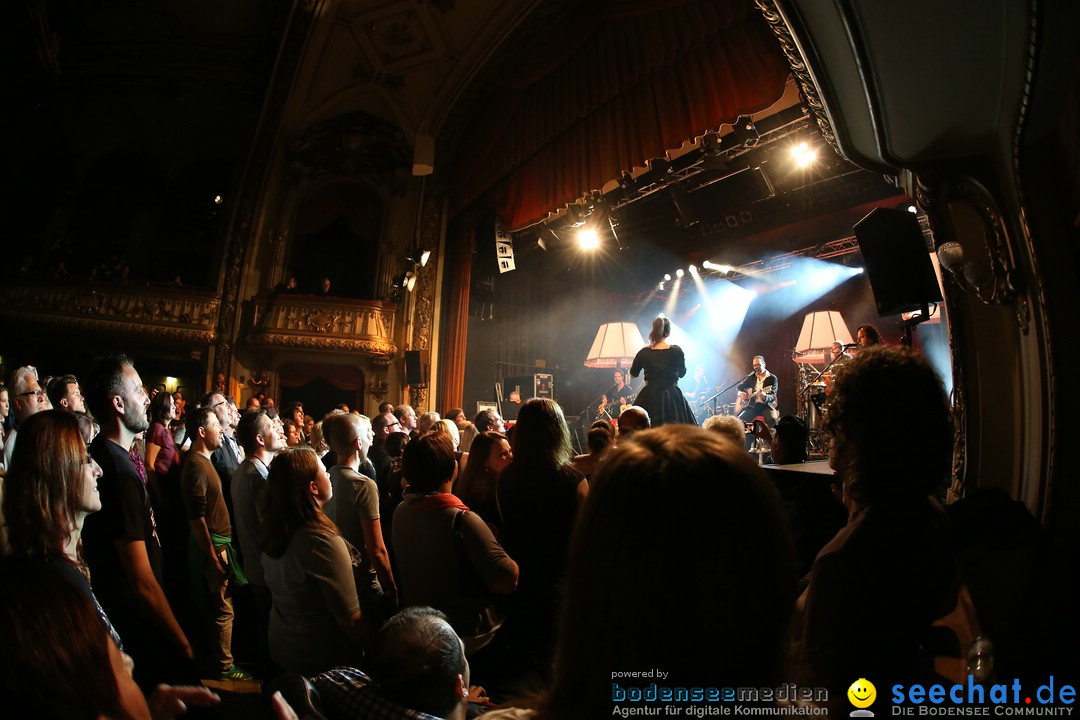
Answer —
862 693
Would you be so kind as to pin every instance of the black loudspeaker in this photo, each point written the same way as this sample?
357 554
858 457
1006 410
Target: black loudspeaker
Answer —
414 370
897 261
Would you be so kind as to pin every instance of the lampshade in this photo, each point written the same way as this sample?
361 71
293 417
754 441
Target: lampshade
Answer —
615 345
819 331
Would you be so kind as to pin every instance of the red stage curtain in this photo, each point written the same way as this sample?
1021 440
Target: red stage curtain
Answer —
456 329
612 85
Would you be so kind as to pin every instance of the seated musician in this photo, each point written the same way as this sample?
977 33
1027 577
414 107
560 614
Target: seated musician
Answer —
757 395
617 398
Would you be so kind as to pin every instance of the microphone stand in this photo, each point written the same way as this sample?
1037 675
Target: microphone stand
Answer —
721 392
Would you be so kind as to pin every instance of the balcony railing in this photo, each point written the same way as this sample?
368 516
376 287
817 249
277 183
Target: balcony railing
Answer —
146 310
319 323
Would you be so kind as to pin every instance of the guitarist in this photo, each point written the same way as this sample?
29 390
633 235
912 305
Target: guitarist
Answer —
617 397
757 395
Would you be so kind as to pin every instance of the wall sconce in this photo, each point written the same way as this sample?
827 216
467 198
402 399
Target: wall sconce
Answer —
170 385
378 389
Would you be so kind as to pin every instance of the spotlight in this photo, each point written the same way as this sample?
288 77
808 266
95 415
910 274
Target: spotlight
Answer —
693 269
588 239
410 281
745 132
710 144
679 272
912 209
667 277
577 215
708 264
418 257
660 286
803 154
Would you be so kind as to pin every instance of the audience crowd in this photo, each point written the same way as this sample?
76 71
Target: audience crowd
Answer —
377 566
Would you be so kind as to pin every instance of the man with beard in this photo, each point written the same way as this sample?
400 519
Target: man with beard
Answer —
121 542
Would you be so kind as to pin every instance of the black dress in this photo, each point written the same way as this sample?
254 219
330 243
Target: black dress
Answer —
661 396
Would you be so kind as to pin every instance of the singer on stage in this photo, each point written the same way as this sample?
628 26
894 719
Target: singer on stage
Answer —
757 395
663 364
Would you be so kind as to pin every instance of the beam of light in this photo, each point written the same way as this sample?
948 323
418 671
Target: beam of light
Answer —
679 273
708 330
796 286
673 297
588 239
694 270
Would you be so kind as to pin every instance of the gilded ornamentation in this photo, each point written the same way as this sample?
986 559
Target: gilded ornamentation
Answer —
340 325
353 144
189 316
808 89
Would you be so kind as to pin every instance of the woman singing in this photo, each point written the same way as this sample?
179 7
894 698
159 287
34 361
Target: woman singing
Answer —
664 364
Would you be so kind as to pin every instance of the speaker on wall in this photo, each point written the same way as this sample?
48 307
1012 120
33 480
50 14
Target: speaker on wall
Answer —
414 368
897 261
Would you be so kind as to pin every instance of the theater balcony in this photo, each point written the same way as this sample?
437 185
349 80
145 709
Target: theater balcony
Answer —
324 324
147 312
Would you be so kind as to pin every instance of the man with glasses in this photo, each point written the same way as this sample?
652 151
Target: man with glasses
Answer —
757 395
382 426
65 394
226 458
28 399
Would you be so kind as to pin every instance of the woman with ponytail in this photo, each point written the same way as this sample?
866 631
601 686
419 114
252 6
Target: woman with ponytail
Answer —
663 364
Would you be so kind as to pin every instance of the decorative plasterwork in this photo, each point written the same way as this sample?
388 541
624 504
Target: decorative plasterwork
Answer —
337 325
809 91
351 144
187 315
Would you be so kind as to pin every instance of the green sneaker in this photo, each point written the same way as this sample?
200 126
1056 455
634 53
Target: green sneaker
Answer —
235 673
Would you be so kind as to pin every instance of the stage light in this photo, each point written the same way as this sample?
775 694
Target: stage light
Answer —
660 286
707 264
667 277
912 209
679 273
803 154
418 257
693 270
588 239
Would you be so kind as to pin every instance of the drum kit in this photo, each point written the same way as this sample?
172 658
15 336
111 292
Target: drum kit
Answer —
813 403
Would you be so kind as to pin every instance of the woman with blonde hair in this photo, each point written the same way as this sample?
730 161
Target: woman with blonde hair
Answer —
663 365
315 623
